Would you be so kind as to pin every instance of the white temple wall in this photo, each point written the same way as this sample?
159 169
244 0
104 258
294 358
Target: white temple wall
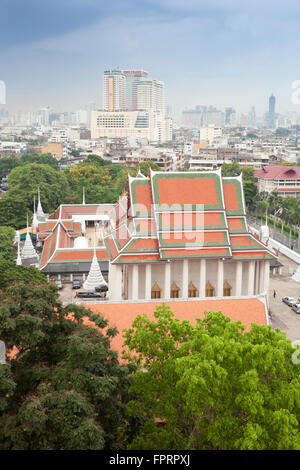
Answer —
245 273
142 279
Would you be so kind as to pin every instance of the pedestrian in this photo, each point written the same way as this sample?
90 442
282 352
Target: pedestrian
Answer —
274 294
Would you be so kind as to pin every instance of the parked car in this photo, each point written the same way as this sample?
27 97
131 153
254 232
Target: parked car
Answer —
296 307
76 284
59 284
88 295
290 301
101 289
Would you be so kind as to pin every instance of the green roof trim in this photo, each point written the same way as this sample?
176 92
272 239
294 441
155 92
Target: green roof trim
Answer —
227 253
186 227
133 186
195 243
129 249
239 192
199 175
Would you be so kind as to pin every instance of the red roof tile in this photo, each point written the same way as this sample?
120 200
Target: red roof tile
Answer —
121 315
278 172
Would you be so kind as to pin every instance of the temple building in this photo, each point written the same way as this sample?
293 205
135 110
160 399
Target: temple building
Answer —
181 235
71 237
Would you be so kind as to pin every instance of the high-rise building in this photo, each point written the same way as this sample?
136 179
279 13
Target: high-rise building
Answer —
272 101
271 115
134 105
114 90
133 77
230 117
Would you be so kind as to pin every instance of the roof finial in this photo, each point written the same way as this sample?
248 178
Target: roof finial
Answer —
40 213
83 195
35 222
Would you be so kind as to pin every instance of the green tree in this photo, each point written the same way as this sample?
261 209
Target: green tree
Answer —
7 250
43 159
13 211
54 187
10 273
63 388
7 164
214 385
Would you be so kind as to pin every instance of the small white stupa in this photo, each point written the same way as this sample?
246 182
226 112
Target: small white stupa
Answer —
28 250
40 213
19 259
35 222
95 277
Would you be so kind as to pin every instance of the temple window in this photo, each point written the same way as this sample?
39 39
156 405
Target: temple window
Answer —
155 291
210 290
174 291
192 290
227 289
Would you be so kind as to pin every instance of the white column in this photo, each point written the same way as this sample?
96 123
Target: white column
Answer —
135 282
202 284
266 275
115 282
251 277
261 277
185 279
167 293
71 277
238 278
220 281
256 277
148 285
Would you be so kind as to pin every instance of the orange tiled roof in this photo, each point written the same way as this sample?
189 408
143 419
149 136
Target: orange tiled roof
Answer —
121 315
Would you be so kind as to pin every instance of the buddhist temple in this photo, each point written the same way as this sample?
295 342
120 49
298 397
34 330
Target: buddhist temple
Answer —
184 234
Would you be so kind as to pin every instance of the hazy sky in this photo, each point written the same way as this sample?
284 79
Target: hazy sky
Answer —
224 53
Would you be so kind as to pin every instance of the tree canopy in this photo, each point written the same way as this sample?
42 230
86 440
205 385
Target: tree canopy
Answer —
7 250
62 387
213 386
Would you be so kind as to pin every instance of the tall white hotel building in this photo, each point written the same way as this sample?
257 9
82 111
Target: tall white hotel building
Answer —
133 105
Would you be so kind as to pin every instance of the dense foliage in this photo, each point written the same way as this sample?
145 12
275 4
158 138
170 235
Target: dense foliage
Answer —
10 273
102 181
249 180
7 250
63 387
213 386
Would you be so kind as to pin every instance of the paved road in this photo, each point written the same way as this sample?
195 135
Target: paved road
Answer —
282 316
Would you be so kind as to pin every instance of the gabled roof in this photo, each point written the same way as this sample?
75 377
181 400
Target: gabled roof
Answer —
178 215
276 172
175 191
233 195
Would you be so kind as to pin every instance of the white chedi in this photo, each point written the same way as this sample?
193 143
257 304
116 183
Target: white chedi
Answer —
28 250
95 277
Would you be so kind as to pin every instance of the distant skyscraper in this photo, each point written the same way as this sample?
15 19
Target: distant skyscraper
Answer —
133 77
271 116
272 101
229 117
133 106
113 90
252 117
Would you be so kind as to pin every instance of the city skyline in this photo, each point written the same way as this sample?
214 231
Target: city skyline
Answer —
218 53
